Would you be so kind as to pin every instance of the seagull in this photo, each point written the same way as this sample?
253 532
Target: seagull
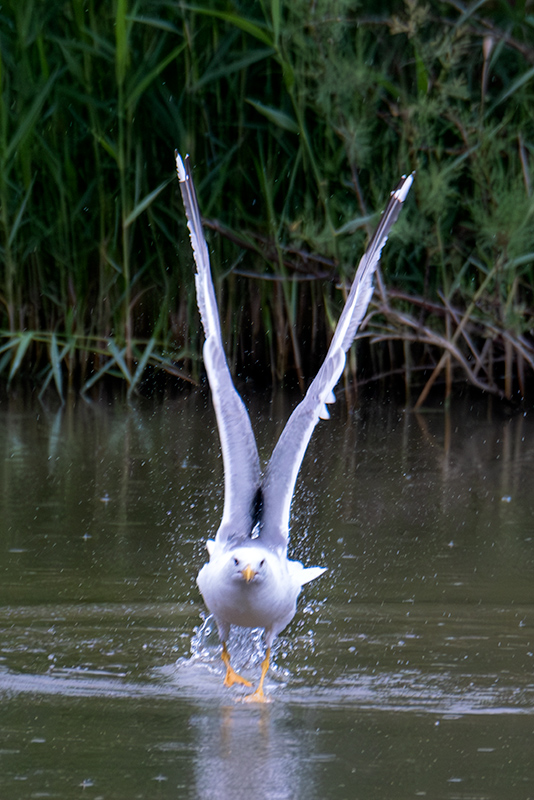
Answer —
249 580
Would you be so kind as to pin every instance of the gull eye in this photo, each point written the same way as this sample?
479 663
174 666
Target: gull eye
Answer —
262 562
236 562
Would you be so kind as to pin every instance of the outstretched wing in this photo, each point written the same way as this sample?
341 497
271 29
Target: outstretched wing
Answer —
239 451
282 470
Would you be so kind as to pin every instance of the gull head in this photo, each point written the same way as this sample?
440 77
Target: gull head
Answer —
248 564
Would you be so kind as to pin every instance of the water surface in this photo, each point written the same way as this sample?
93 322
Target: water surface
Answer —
408 671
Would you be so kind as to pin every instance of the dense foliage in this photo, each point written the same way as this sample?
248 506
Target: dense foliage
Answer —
299 117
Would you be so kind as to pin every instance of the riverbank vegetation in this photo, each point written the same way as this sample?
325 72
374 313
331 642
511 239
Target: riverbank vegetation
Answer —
299 117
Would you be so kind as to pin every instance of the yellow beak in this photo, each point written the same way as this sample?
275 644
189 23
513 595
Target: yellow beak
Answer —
248 573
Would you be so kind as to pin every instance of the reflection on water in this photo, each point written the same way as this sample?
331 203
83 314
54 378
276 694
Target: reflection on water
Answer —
409 664
240 750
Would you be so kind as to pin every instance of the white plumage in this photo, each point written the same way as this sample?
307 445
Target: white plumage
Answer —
248 580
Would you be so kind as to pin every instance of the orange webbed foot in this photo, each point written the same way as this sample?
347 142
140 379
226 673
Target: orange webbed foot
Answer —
231 676
259 695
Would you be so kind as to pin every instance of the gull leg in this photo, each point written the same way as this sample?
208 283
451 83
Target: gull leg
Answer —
231 676
259 696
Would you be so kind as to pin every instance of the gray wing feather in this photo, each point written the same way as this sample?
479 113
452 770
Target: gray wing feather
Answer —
239 451
282 470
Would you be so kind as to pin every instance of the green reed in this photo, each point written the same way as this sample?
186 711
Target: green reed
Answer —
299 119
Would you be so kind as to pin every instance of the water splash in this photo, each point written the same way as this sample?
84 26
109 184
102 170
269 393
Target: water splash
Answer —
245 645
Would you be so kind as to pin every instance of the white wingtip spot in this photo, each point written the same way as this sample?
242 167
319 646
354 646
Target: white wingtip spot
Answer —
402 193
324 413
180 169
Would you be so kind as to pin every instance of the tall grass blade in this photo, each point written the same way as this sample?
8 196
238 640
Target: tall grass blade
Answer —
143 361
23 342
118 358
276 16
55 361
26 122
145 203
121 41
103 370
257 31
20 215
141 87
274 115
523 79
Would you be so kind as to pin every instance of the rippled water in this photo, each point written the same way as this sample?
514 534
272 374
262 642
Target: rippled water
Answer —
408 671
